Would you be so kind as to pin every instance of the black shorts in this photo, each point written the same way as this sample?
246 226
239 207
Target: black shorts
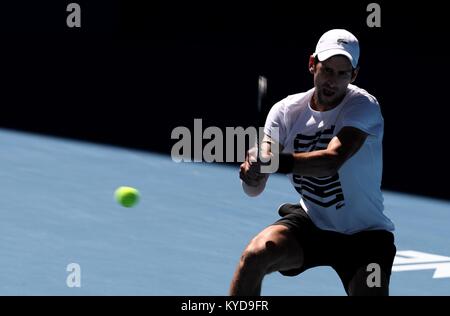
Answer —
346 254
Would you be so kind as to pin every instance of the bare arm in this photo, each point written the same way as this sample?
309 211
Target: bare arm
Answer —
319 163
326 162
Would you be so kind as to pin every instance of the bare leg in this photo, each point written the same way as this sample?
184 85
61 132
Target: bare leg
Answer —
273 249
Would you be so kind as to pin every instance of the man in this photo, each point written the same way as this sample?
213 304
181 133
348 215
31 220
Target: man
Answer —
330 144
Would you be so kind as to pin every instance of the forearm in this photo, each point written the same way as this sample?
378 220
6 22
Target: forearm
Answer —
326 162
320 163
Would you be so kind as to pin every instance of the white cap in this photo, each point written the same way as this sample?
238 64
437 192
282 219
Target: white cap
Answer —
338 42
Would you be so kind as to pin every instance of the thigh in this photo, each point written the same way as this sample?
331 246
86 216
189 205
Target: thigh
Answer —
319 247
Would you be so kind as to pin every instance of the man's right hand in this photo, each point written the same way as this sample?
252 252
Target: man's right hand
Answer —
250 169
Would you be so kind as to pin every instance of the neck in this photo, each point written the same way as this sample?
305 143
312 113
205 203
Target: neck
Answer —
320 107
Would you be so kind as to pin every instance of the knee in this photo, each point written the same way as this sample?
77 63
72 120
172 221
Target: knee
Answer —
257 257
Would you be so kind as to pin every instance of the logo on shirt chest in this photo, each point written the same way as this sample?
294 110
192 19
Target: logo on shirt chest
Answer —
323 191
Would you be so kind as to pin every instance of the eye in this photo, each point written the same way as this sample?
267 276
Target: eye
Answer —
344 74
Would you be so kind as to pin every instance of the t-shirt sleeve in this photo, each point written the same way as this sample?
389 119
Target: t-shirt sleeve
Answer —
275 125
364 114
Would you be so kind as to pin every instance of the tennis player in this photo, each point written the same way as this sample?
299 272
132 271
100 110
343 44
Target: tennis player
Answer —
330 146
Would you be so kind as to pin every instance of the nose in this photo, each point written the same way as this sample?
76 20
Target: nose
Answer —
331 80
330 83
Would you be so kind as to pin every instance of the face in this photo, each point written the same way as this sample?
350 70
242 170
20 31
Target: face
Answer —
331 79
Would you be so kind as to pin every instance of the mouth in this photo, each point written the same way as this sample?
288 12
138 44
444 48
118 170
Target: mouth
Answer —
328 92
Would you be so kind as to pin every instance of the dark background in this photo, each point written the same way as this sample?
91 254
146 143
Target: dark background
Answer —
135 71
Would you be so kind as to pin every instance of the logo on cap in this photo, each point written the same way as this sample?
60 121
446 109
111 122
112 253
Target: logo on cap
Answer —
342 41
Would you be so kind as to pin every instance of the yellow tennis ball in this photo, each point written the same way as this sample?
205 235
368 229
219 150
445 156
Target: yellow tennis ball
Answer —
127 196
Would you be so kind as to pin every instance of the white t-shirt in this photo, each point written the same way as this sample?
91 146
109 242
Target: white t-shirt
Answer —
351 200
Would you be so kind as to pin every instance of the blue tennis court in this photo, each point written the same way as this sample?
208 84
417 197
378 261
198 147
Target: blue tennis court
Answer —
183 238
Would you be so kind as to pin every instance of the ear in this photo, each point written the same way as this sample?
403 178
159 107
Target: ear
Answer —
354 74
311 64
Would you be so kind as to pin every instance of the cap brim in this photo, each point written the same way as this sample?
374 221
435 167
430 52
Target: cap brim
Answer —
333 52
